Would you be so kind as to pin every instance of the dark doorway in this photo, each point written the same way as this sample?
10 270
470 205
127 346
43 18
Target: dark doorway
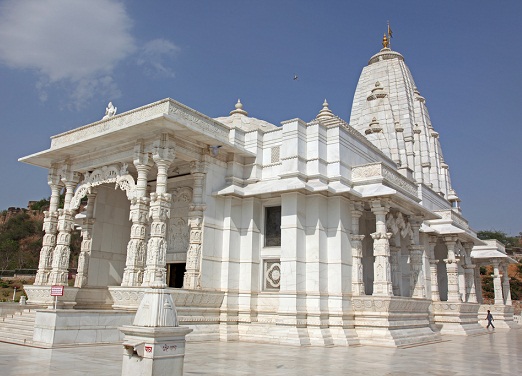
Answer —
175 273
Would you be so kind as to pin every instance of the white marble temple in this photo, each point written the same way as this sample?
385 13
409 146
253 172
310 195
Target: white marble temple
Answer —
318 232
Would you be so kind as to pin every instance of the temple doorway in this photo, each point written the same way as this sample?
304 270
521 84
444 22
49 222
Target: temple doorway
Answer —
175 273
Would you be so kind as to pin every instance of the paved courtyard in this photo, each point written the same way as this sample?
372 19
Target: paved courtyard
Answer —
497 353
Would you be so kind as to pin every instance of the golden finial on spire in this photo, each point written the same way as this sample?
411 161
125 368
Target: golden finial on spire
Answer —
385 42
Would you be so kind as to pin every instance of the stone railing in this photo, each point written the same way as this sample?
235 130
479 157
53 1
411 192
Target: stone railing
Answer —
432 200
380 173
456 218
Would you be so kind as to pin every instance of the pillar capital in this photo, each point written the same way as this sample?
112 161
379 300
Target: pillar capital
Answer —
141 156
198 167
380 206
163 150
451 239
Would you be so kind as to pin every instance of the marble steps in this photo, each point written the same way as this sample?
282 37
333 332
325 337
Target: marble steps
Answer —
18 328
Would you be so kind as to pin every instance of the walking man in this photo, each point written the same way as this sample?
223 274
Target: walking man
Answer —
490 319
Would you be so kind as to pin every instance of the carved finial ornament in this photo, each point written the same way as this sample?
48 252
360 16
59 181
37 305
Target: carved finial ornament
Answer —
385 42
325 112
239 109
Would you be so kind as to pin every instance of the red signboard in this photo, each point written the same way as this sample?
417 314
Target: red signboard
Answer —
56 290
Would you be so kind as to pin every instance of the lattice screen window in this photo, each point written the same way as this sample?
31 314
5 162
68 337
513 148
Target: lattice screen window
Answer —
276 151
272 275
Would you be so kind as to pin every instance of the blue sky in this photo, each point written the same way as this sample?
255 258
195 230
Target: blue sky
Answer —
62 61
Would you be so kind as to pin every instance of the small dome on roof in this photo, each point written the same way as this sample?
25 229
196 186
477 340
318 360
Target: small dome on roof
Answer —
239 119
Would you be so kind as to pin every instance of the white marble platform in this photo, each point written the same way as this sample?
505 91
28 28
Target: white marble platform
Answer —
492 354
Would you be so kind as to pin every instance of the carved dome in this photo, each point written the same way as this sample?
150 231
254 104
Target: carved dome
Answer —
239 119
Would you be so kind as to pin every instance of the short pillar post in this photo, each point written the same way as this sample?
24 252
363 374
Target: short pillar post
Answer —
154 344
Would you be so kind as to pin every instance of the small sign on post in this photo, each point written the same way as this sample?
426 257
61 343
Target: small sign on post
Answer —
56 291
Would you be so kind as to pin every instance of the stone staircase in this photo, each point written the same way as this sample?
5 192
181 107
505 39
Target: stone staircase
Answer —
18 327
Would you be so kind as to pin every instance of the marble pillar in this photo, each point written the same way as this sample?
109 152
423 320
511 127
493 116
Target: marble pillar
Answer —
417 280
139 210
435 296
478 284
50 227
62 251
357 251
382 285
505 285
85 251
452 270
192 277
155 271
469 270
395 258
497 283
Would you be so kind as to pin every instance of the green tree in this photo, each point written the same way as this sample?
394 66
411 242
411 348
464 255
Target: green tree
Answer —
508 241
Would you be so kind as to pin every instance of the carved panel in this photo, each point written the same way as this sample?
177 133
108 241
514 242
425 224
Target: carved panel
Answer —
272 275
178 226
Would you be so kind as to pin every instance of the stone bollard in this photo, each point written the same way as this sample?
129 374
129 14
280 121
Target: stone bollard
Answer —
154 344
23 300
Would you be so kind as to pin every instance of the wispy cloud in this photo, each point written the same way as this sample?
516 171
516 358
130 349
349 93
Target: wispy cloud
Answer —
75 45
155 56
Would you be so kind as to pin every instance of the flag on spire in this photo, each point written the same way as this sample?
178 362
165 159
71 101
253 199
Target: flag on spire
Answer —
390 30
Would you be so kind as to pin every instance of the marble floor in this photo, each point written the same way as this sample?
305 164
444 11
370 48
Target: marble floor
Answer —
496 353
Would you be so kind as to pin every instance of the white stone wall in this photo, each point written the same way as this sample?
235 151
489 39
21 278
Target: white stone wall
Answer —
111 232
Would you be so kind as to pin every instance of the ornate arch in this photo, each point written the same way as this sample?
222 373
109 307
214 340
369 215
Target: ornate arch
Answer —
116 173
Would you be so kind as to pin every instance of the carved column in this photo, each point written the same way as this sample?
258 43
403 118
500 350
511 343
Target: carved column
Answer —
357 251
192 277
469 269
497 283
417 284
452 270
139 210
50 226
85 251
478 284
155 271
435 296
382 284
395 257
62 250
505 285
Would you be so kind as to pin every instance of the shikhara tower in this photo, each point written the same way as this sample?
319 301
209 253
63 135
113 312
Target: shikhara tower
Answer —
389 109
308 233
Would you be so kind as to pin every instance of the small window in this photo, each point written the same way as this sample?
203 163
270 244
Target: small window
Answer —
274 157
273 226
